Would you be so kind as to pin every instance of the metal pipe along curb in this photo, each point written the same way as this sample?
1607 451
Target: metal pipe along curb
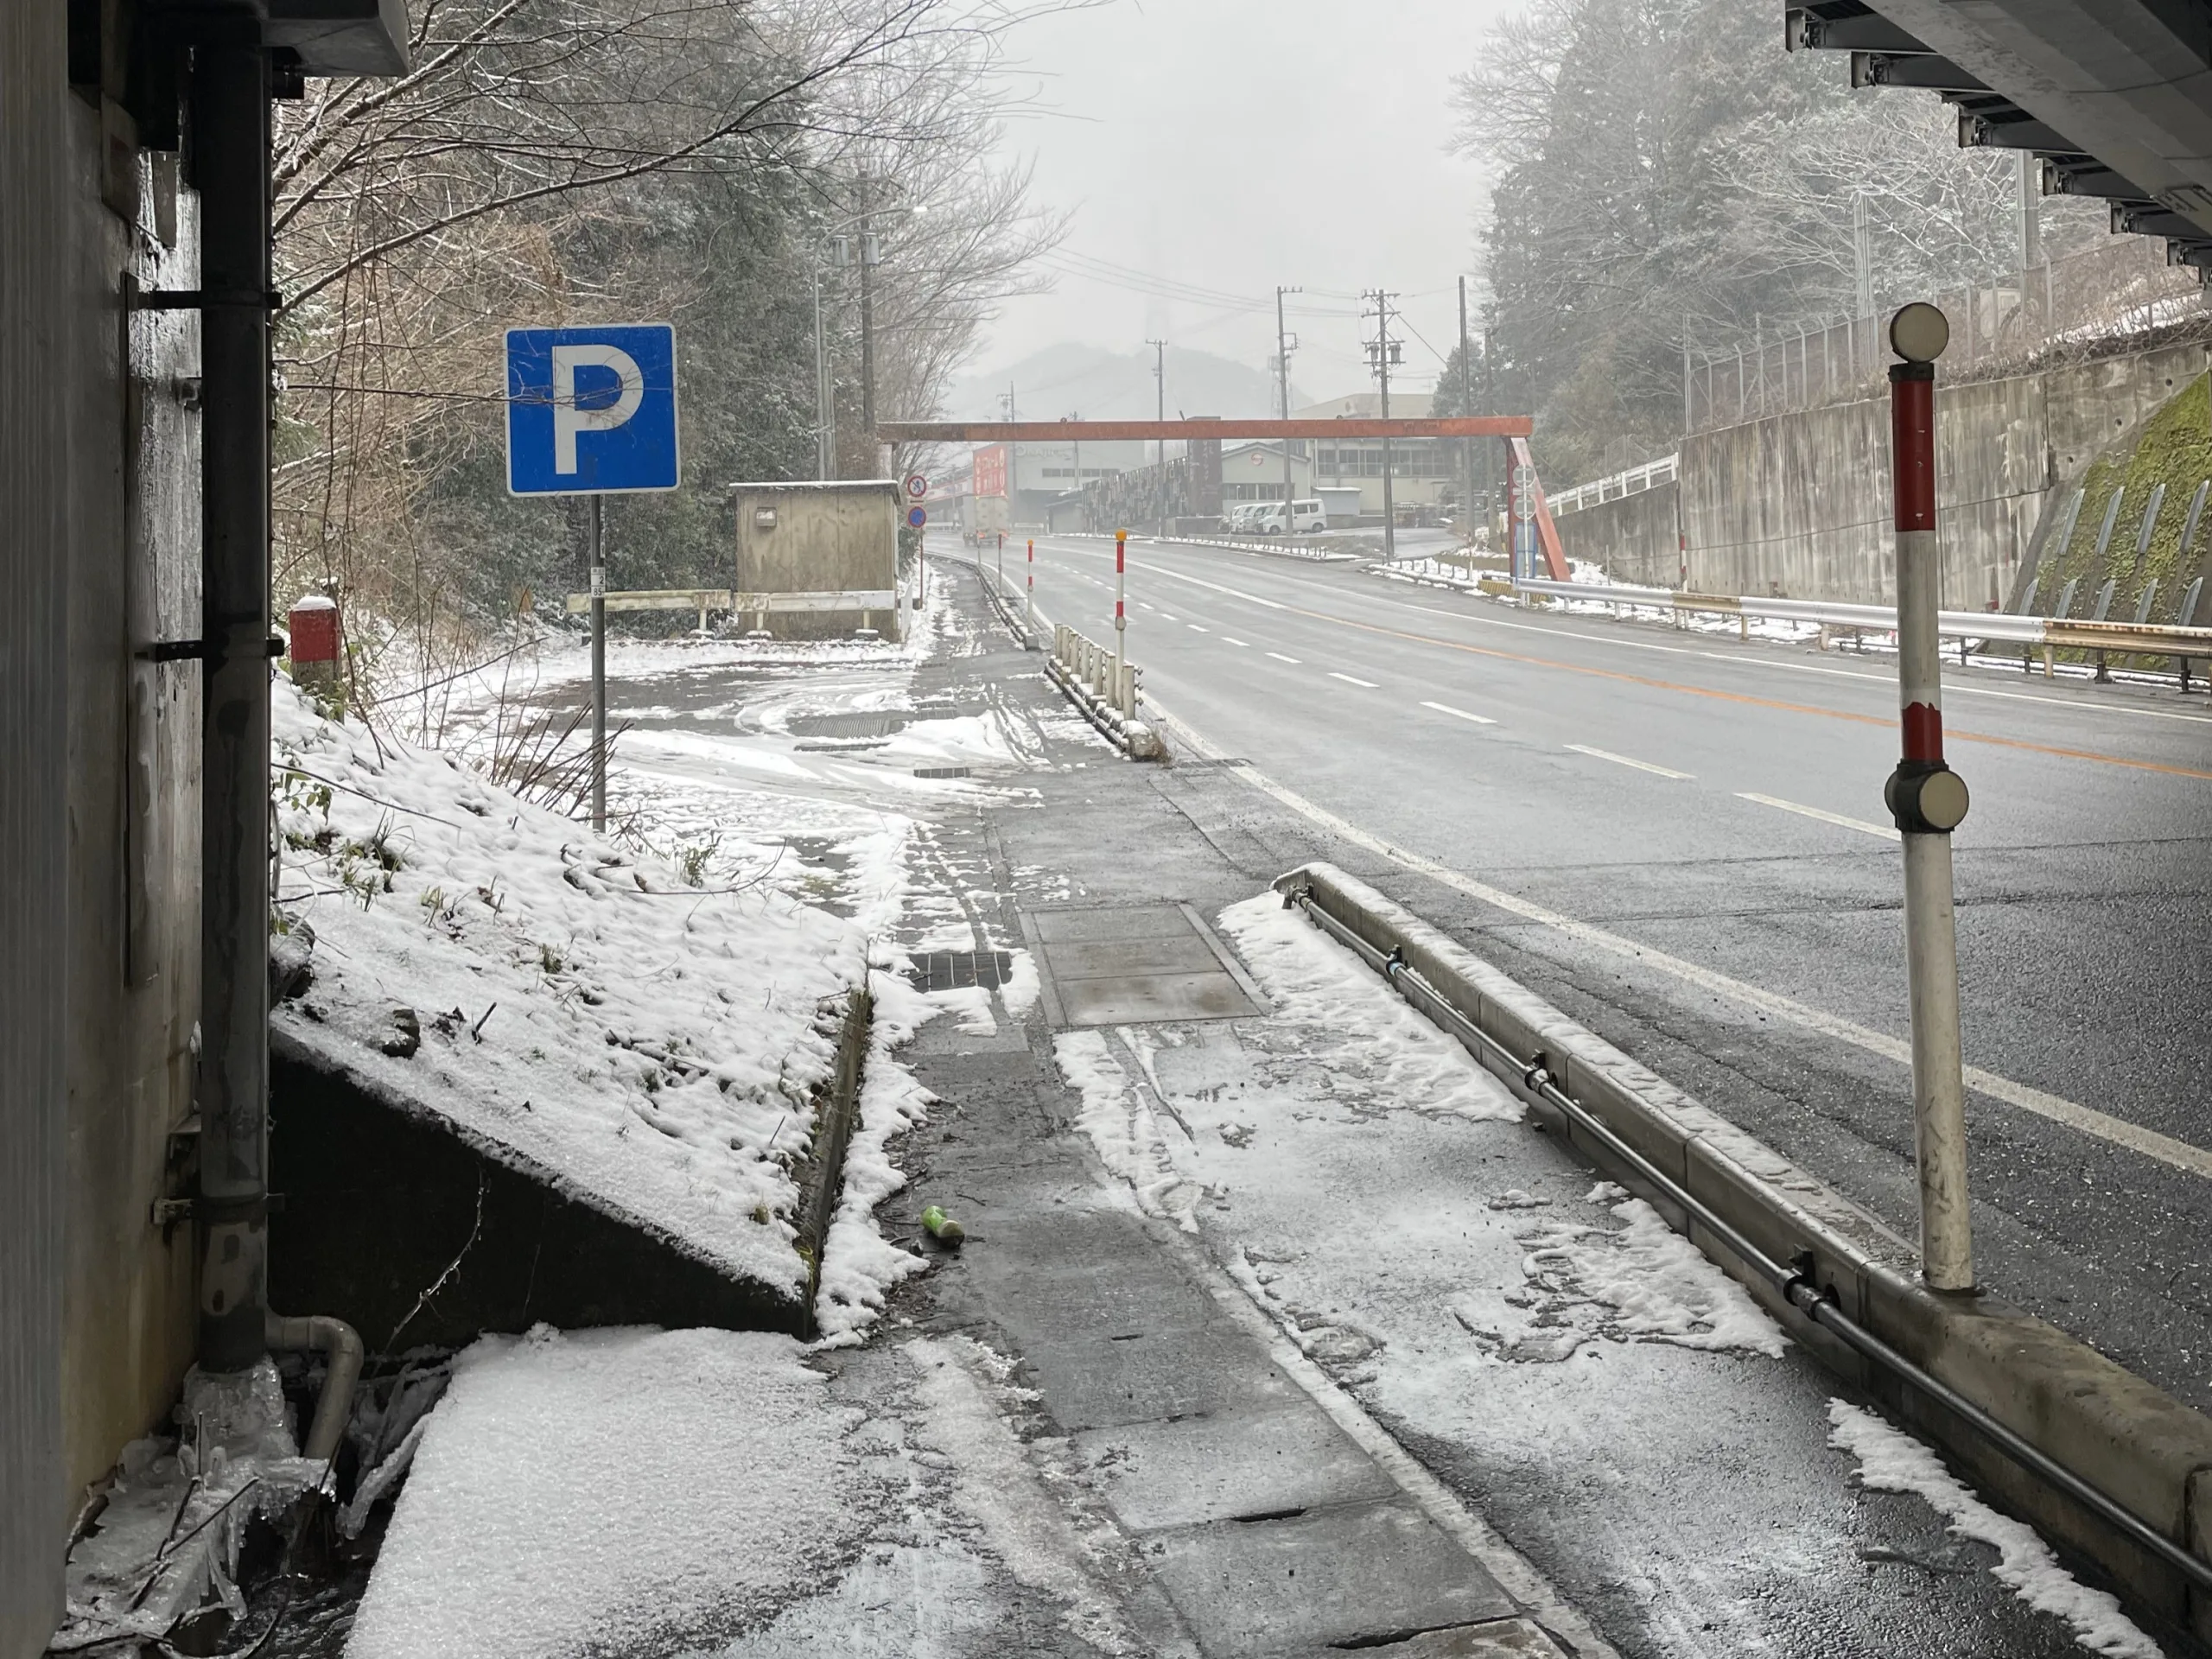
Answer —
1793 1282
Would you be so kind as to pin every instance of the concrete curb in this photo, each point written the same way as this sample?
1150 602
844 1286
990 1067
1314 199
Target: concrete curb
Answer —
2139 1445
998 602
1133 737
824 1172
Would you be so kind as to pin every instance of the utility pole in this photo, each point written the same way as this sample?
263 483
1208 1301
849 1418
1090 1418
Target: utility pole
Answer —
1159 384
825 417
1012 458
870 257
1284 346
1383 350
1929 801
1466 407
1490 394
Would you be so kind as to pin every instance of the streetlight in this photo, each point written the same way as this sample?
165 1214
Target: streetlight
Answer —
845 252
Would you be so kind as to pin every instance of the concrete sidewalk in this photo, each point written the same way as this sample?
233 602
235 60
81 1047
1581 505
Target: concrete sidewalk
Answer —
1221 1351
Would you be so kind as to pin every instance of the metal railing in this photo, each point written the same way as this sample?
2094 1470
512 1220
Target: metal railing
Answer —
1633 481
1997 628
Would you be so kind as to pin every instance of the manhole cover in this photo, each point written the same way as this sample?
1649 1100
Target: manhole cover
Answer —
1129 964
951 970
864 722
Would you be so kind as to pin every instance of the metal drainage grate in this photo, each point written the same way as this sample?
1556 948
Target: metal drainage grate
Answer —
951 970
940 771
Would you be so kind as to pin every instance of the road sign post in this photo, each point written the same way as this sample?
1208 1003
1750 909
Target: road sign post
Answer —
592 411
916 517
1927 800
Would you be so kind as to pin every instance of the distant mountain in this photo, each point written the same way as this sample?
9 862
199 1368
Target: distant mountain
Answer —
1102 385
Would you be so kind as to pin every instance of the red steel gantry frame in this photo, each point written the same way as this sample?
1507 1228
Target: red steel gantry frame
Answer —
1513 428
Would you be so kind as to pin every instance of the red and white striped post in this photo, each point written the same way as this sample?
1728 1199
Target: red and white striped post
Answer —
1030 597
1120 621
1927 800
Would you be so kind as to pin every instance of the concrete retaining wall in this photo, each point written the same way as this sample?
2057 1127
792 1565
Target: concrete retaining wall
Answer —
1634 537
1798 505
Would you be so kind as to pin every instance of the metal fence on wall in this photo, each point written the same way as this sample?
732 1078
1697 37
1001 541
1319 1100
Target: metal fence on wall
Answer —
2121 288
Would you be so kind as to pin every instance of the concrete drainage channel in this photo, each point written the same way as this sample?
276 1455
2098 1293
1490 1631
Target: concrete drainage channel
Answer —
821 1178
2023 1407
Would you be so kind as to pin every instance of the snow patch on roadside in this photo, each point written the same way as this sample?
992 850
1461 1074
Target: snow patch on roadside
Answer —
1378 1038
1657 1285
1123 1127
1889 1460
859 1265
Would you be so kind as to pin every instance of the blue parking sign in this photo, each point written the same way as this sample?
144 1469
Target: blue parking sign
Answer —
591 411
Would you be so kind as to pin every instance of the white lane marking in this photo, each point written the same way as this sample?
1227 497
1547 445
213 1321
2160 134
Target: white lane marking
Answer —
1446 708
1143 605
1860 824
1226 640
1196 627
1198 581
1349 680
1280 657
2180 1154
1165 618
1623 760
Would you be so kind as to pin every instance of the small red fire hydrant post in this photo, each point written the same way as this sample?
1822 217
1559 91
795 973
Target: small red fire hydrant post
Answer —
1927 800
316 644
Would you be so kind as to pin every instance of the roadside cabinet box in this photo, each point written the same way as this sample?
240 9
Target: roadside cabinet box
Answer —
818 561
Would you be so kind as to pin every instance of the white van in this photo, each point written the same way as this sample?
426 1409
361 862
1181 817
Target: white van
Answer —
1306 518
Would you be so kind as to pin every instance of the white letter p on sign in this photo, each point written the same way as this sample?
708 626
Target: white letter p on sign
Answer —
567 419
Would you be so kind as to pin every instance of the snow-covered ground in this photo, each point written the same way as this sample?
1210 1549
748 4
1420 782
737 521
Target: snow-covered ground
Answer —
1376 1193
711 1493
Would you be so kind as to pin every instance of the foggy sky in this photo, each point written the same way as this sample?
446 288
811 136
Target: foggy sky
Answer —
1235 144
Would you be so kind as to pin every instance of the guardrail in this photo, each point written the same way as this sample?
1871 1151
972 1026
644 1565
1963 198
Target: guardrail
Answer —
2050 634
1105 687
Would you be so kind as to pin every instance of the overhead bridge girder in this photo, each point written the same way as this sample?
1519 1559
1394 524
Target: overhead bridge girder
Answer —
1845 28
1924 71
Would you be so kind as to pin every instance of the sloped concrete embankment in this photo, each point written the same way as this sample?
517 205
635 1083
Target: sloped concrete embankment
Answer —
2136 1444
418 1232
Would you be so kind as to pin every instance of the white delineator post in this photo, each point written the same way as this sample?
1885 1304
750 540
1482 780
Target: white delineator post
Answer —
1927 800
1121 623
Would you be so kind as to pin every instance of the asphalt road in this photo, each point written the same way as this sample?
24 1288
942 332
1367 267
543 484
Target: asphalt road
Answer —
1681 841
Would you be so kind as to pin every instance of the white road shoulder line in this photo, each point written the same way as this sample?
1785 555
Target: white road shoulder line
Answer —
1623 760
1351 680
1460 713
2178 1154
1280 657
1822 814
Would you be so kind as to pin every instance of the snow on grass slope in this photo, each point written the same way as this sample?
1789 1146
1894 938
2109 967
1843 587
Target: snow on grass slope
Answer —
654 1048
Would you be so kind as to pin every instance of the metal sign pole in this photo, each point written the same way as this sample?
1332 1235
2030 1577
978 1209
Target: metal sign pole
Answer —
598 672
1929 801
1030 601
